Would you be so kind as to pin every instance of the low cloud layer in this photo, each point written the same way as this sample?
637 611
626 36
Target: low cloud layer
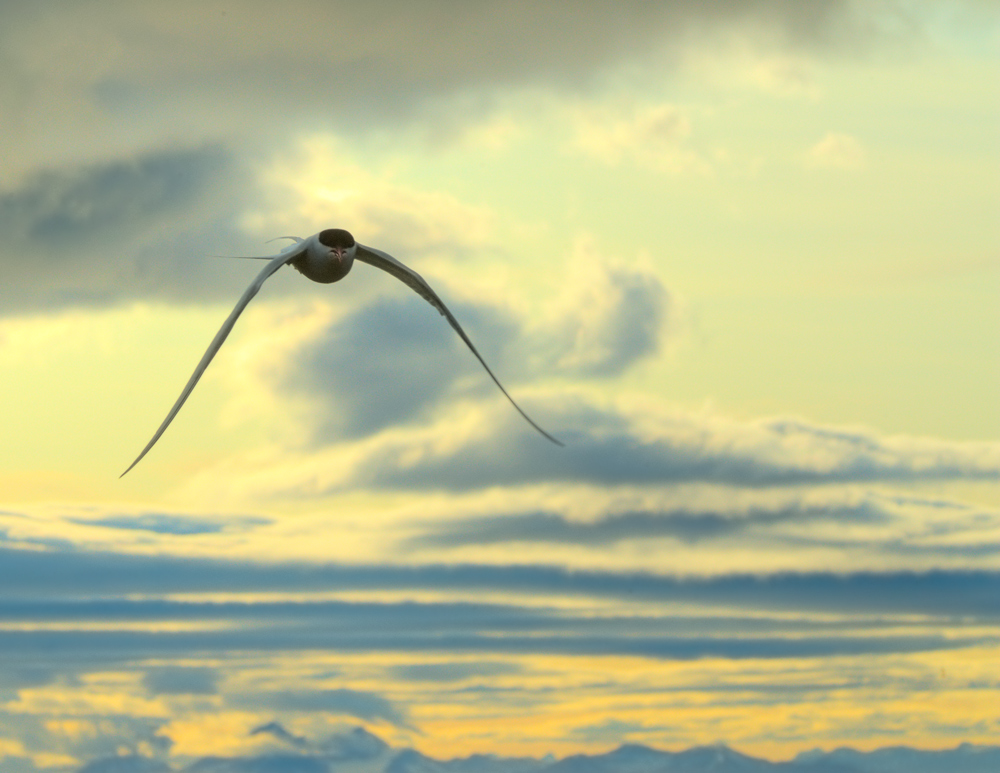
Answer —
169 523
602 448
968 758
682 525
155 632
366 752
40 574
360 705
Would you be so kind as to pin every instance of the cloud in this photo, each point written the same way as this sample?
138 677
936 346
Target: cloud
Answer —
383 365
278 731
65 209
168 523
357 744
18 764
605 447
58 738
392 627
681 524
40 586
271 763
16 676
123 645
126 764
610 316
715 519
351 746
966 757
395 360
609 731
181 680
362 705
123 58
121 228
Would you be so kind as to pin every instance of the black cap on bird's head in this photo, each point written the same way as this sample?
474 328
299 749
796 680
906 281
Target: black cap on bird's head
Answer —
336 237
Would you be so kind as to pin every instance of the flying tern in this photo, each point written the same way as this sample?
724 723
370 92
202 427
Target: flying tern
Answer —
326 257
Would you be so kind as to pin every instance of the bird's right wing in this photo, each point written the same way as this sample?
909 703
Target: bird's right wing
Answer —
275 262
412 279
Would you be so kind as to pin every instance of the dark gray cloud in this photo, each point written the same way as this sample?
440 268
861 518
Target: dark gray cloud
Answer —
267 763
63 211
181 680
353 745
384 364
601 448
632 331
350 623
357 744
878 609
135 226
231 88
362 705
121 646
19 764
395 360
280 732
168 523
968 758
16 676
27 577
356 65
683 525
130 763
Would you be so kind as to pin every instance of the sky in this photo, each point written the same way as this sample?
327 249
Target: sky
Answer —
741 258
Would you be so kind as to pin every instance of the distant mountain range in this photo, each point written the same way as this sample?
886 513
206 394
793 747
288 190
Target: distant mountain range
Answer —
359 751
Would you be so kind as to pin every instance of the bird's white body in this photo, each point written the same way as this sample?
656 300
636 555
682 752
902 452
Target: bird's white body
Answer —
325 257
320 262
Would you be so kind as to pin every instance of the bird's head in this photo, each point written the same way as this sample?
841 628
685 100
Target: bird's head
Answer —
340 243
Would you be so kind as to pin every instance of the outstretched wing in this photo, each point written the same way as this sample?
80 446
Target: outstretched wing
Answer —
412 279
276 262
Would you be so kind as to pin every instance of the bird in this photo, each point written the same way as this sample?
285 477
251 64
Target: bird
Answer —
325 257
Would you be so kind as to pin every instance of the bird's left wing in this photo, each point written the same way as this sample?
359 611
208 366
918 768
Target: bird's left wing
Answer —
413 280
275 262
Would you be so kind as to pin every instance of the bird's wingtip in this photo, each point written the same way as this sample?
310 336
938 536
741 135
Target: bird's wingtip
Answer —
131 466
555 440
